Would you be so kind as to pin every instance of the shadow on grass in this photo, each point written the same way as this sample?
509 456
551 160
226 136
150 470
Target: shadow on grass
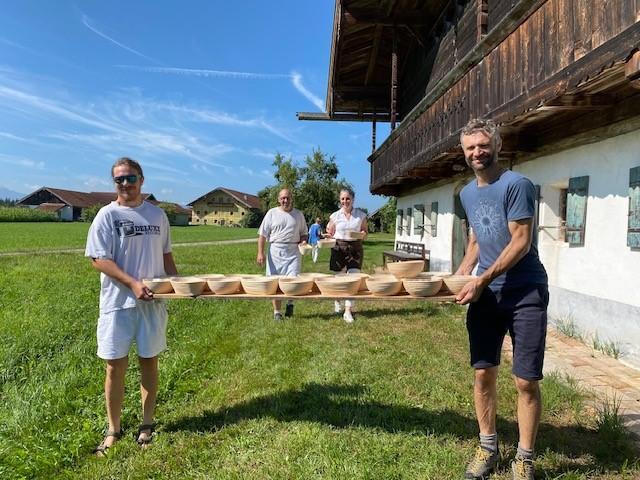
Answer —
342 406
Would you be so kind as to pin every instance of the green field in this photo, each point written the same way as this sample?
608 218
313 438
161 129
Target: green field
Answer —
241 397
27 237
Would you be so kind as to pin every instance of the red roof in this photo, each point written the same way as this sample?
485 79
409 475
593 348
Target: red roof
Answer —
72 197
246 199
50 207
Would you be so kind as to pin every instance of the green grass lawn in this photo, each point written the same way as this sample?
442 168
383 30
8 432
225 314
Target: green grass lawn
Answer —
241 397
25 237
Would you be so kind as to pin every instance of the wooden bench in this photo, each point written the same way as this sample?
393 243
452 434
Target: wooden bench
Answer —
407 251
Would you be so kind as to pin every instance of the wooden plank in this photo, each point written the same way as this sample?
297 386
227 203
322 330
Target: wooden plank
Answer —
443 296
565 32
582 14
536 56
551 50
599 16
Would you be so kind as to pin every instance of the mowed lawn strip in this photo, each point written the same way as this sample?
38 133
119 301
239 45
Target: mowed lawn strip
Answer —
244 397
26 237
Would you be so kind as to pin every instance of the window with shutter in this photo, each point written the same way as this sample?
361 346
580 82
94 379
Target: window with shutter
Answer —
577 195
407 219
434 219
399 221
418 219
633 230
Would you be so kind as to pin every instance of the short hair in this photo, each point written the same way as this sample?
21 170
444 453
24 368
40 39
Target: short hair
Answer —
127 161
318 219
488 127
349 190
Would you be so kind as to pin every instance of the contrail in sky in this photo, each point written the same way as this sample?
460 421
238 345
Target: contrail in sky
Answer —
198 72
87 23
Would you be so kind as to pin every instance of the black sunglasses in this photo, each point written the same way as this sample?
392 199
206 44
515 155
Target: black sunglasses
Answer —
129 178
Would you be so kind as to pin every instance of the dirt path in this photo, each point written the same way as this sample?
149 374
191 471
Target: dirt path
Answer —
81 250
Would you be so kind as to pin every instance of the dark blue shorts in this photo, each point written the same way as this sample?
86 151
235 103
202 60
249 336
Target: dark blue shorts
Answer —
523 312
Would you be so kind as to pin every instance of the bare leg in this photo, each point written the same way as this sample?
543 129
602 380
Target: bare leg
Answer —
277 305
485 399
114 394
148 390
529 410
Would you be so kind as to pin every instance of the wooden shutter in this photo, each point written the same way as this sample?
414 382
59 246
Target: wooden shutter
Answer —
399 221
434 219
633 230
407 219
418 219
577 195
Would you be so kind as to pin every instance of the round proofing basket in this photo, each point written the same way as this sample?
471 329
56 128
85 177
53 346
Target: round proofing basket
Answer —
313 276
363 278
406 269
260 285
225 285
296 285
422 287
384 285
158 285
192 286
304 249
344 286
354 235
327 243
454 283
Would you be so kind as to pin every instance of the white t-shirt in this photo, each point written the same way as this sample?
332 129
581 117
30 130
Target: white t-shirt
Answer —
342 223
135 238
279 226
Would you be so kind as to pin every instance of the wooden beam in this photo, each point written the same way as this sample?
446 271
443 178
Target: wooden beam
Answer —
377 37
342 117
632 67
394 79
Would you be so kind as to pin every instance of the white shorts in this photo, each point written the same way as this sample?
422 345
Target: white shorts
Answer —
145 324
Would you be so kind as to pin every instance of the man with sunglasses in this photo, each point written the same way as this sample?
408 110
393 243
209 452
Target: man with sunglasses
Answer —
130 240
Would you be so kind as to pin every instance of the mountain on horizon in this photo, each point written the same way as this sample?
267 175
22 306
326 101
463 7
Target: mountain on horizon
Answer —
10 194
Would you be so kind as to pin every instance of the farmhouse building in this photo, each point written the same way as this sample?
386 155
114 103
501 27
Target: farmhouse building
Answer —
69 205
562 78
222 206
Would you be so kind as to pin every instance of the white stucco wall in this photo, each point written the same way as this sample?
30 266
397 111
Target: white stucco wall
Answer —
440 246
595 286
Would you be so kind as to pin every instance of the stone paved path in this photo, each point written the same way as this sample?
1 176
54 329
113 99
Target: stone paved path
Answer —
604 376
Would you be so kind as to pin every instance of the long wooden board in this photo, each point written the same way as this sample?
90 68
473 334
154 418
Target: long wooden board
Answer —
402 297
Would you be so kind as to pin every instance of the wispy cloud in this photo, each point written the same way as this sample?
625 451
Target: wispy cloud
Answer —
21 161
86 21
93 182
198 72
296 80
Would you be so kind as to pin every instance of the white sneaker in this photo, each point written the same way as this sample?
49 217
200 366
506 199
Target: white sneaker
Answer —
337 307
348 317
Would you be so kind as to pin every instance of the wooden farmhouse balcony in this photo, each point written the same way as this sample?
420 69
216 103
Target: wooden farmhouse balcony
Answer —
547 71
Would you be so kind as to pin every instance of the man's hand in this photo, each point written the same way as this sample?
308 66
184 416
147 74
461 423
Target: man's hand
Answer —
260 259
141 291
471 291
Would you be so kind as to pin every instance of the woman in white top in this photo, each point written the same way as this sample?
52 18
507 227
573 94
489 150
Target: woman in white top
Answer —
347 254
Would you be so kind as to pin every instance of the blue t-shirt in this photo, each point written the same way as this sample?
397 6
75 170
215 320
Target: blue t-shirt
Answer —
489 209
314 234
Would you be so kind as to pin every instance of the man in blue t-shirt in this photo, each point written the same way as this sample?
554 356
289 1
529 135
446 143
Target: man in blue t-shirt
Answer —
315 234
510 293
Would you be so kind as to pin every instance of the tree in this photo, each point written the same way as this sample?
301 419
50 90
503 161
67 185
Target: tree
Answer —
170 211
89 213
252 219
314 185
387 215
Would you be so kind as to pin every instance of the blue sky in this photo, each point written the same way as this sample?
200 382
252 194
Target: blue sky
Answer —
202 93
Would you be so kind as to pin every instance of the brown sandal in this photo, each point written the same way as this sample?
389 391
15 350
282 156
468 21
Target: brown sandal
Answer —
143 442
101 450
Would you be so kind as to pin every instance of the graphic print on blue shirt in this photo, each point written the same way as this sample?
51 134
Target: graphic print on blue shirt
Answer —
490 208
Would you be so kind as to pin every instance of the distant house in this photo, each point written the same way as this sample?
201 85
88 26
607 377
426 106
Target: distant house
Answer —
222 206
69 205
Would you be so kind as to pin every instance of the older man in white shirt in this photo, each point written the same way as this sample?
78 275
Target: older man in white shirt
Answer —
285 228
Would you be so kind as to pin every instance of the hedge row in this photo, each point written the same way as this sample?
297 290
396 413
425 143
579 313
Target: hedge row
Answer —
17 214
